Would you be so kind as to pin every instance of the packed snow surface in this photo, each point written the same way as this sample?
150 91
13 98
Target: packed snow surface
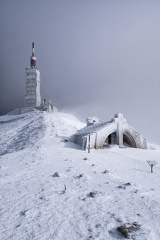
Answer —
51 189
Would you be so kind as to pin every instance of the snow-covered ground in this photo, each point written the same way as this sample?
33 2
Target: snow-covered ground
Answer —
93 194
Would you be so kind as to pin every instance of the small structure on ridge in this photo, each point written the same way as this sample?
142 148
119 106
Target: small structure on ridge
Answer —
102 134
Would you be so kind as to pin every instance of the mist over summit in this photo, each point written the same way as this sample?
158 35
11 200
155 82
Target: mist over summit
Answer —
95 58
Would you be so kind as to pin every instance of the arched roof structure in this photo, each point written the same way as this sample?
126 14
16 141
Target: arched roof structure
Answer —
116 131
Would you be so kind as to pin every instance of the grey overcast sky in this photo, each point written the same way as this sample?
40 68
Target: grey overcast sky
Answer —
96 57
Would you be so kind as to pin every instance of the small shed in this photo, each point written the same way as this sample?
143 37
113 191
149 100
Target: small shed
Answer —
116 131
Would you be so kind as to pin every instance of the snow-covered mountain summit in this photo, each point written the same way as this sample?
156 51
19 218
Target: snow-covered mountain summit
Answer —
51 189
21 129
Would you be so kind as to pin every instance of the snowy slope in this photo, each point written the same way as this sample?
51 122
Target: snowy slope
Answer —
94 194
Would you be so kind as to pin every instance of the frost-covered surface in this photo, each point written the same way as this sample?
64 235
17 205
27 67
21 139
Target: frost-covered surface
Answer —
94 194
92 128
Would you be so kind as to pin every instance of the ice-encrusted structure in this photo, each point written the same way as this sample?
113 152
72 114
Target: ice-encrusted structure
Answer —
117 131
33 96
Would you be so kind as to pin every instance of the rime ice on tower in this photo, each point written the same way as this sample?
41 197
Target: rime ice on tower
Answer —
33 96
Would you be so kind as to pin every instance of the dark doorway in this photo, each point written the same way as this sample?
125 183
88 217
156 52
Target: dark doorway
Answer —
111 139
128 140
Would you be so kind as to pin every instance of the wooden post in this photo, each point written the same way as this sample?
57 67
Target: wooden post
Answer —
152 168
89 139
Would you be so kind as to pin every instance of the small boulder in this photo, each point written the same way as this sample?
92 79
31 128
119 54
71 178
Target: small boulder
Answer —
105 171
55 175
79 176
127 231
92 194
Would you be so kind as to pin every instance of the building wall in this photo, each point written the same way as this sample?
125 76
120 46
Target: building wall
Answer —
33 97
78 139
120 133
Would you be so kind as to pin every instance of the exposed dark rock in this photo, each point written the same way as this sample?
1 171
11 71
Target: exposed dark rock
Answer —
79 176
92 194
55 174
121 187
127 184
97 225
126 231
23 212
124 185
105 171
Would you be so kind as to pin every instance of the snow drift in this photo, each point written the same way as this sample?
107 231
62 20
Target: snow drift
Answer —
50 189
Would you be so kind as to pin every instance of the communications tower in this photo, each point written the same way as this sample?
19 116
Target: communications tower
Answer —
33 96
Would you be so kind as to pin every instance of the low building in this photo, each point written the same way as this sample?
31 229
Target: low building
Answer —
48 106
117 131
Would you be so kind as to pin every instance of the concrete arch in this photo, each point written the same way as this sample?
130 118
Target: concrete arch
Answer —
128 140
104 133
111 138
